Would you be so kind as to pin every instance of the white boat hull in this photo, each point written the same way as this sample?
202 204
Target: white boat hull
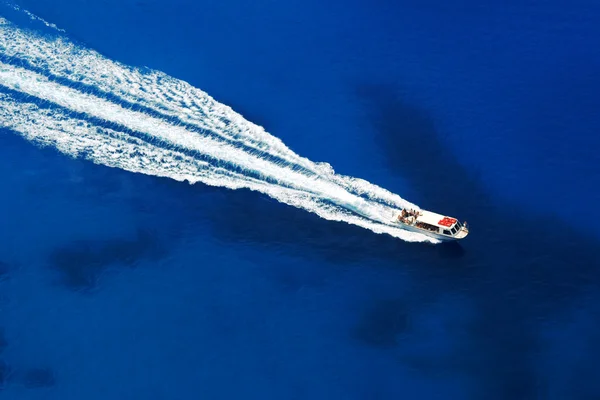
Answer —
437 226
442 238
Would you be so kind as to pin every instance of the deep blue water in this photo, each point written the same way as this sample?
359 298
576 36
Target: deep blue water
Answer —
126 286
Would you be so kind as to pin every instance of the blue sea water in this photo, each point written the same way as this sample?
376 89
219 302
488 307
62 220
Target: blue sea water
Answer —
129 286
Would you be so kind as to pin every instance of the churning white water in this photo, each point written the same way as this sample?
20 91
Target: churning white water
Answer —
56 93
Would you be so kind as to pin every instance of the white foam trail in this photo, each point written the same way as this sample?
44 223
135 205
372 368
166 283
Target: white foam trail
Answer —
36 18
112 148
232 150
166 95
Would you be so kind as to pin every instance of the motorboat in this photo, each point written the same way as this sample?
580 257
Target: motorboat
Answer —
435 225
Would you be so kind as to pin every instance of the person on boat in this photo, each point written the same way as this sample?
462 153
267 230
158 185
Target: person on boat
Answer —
402 216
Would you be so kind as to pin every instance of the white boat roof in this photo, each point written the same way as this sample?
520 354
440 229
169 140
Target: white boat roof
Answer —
434 219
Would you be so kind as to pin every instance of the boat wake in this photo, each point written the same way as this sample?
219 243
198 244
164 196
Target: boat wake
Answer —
56 93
